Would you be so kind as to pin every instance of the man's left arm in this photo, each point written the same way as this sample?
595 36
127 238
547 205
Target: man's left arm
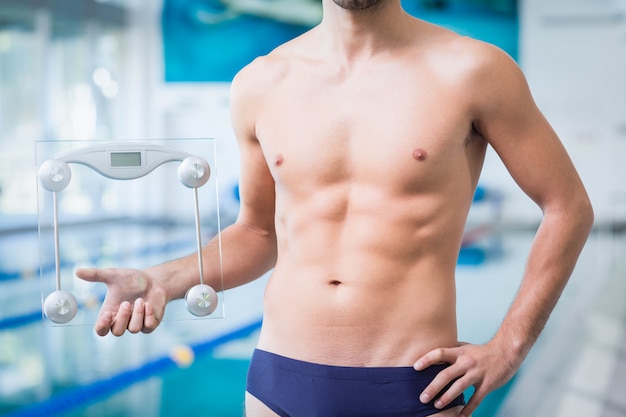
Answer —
508 118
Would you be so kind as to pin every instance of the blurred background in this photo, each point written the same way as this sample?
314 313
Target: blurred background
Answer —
118 70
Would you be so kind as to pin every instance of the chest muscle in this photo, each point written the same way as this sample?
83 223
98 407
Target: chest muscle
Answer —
406 137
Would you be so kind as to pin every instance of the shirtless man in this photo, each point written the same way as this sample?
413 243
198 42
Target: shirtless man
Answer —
361 146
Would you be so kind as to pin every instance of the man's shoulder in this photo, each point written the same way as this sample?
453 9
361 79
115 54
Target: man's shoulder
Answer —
261 71
479 54
464 61
266 70
467 53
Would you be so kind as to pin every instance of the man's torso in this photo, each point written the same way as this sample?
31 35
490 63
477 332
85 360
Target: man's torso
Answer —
375 168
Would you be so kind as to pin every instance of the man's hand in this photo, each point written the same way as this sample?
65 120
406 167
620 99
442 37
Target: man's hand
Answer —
486 367
134 301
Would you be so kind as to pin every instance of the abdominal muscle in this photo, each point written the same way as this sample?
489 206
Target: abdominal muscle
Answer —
360 288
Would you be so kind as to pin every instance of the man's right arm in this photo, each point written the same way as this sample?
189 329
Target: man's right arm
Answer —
248 245
136 300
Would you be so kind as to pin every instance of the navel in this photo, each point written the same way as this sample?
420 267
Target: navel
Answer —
278 160
419 154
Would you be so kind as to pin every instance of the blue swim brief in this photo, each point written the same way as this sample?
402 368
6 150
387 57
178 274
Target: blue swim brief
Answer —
292 388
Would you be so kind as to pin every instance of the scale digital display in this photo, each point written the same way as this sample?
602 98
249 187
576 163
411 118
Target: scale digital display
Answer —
125 159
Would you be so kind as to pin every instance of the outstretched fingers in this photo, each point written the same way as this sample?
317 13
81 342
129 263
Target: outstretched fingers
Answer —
104 323
126 305
151 321
137 317
93 274
135 323
122 319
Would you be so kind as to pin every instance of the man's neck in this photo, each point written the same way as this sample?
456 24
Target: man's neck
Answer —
353 35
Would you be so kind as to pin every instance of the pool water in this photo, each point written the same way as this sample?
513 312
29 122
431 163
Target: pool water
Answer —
212 387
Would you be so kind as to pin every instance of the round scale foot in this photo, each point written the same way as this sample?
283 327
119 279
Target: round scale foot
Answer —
60 307
201 300
194 172
54 175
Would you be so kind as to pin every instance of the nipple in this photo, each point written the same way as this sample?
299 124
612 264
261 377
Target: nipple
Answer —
278 160
419 154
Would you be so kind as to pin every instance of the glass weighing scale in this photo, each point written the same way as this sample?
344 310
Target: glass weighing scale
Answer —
61 162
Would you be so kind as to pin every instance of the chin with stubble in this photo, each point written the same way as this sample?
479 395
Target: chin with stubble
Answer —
356 4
